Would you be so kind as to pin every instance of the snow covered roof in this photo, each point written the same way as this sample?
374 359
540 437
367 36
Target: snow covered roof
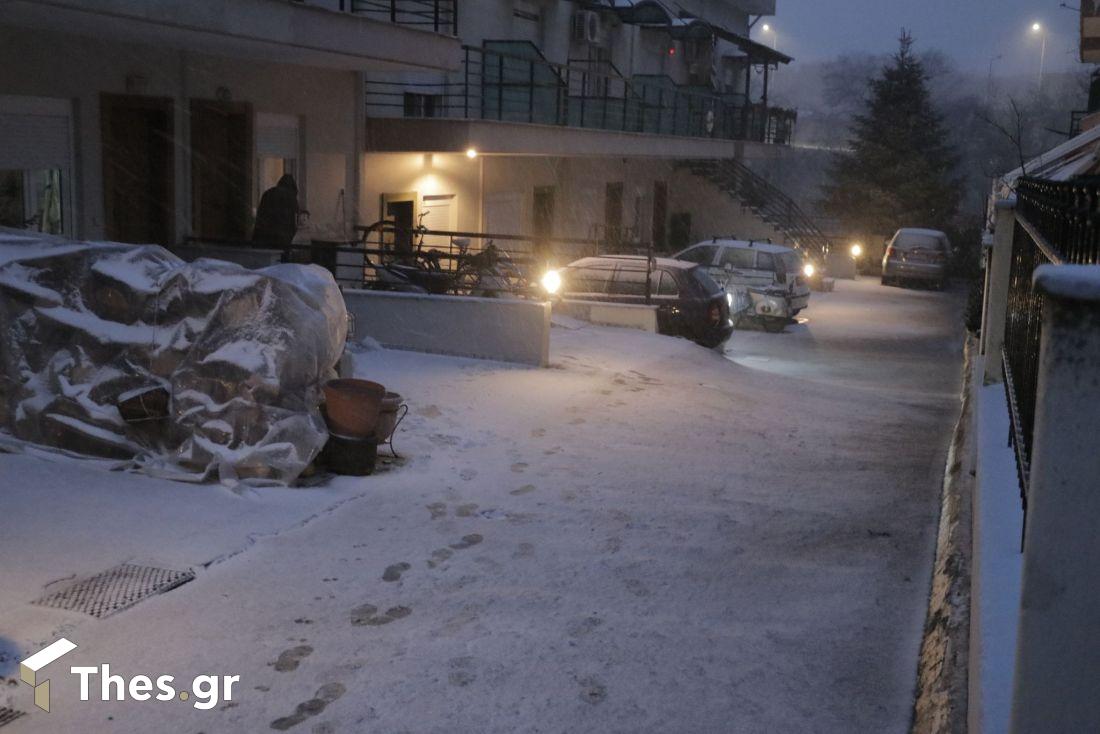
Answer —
1075 157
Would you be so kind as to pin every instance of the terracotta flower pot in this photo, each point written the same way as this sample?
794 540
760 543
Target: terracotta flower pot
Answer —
352 406
387 418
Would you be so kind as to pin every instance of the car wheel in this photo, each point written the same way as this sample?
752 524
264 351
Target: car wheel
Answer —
774 324
885 280
796 312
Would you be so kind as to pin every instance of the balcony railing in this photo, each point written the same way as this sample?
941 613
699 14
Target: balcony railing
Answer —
1058 223
440 16
522 86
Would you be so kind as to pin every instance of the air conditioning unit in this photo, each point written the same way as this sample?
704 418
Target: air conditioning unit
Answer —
587 27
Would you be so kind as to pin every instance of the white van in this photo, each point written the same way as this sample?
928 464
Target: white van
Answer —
773 275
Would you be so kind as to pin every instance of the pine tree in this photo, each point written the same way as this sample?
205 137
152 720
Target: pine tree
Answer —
900 171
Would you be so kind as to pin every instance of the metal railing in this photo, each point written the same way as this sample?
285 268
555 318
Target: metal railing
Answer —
440 16
520 85
1058 222
765 200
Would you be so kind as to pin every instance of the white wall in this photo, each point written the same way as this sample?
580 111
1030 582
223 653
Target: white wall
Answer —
79 69
427 174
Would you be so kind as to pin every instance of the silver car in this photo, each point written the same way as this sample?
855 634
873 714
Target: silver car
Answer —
916 255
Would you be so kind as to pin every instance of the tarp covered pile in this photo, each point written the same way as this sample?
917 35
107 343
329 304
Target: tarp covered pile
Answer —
217 369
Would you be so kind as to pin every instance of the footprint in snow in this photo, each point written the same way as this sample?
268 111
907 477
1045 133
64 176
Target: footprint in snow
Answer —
468 541
393 573
325 695
367 615
289 659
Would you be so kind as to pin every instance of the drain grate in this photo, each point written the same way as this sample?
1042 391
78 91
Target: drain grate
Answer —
8 715
115 589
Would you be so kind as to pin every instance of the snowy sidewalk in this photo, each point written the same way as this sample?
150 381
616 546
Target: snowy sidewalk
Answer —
645 537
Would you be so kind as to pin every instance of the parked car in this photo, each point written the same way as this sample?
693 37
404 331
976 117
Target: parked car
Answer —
689 302
775 275
916 255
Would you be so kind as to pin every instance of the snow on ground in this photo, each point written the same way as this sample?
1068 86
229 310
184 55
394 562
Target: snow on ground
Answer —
998 564
648 536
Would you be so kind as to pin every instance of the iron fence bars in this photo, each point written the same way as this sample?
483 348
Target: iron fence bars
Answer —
510 81
1058 222
441 16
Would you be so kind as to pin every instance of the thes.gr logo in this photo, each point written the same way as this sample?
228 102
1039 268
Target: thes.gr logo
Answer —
29 669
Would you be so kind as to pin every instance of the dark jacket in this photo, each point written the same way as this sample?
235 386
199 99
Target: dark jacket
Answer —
277 215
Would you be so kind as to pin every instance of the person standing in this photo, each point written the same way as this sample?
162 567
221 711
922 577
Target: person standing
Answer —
277 215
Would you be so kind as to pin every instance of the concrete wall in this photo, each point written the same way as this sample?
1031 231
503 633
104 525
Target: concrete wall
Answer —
482 328
48 64
626 315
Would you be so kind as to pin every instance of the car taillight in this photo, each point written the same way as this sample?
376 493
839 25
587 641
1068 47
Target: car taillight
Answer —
714 314
891 251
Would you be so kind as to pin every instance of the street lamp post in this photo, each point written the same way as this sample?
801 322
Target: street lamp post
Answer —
775 37
1041 31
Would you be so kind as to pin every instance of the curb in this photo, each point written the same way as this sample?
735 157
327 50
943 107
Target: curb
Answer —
941 700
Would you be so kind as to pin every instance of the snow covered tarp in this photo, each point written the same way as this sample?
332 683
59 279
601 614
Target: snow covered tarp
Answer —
239 355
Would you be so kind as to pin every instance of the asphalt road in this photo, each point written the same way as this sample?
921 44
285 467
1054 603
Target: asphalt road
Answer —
646 537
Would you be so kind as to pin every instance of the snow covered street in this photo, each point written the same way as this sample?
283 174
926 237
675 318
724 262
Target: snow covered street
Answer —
646 537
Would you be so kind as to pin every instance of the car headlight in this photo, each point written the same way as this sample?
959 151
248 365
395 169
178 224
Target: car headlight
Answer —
551 281
808 270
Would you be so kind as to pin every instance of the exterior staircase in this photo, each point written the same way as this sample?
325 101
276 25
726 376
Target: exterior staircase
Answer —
764 200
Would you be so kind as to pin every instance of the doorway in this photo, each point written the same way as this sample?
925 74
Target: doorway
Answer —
138 169
613 213
543 216
400 209
660 215
221 170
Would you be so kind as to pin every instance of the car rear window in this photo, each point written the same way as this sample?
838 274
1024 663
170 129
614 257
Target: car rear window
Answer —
668 285
739 258
587 280
792 261
906 241
630 282
703 254
707 283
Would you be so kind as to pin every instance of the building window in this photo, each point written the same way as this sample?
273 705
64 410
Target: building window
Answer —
32 199
423 105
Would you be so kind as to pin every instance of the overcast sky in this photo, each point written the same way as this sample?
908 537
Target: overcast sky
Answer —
972 31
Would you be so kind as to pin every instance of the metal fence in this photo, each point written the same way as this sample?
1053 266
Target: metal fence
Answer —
1058 222
440 16
513 82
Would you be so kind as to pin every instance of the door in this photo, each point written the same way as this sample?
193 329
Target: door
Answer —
221 170
138 169
403 215
660 215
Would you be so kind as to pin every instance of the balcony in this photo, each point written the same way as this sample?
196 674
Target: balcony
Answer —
438 16
511 82
361 38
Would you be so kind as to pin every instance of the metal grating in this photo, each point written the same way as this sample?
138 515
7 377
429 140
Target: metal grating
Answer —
115 589
8 715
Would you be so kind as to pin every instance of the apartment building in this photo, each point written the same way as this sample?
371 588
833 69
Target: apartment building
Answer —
160 121
575 119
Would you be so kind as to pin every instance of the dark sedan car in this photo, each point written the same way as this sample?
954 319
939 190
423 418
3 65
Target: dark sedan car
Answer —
689 302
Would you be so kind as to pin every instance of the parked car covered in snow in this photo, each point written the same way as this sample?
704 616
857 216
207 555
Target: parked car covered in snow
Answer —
916 255
689 302
775 275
